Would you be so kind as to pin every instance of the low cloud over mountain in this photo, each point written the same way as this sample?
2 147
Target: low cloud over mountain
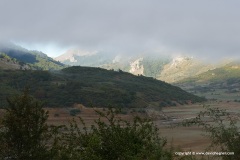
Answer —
200 28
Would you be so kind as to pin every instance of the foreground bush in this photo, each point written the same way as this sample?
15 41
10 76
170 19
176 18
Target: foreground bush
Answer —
222 129
113 138
25 135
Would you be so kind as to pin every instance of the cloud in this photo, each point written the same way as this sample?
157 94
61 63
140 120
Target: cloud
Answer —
199 28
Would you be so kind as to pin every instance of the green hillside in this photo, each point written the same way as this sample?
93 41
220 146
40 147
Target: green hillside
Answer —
229 71
153 65
220 83
7 62
35 59
92 87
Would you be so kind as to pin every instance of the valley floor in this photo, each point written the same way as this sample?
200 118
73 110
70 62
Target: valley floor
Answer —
191 138
185 138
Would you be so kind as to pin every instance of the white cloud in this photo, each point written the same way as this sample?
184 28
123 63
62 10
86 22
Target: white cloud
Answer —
201 28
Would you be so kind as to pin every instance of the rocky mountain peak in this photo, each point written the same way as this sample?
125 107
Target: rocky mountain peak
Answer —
70 55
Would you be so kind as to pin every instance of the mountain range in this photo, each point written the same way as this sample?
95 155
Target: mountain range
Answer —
169 69
165 68
189 73
60 85
213 80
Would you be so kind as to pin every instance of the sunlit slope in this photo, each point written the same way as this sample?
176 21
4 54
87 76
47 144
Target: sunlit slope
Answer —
224 73
34 59
222 83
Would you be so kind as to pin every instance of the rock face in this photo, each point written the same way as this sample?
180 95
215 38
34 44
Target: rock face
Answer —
183 67
136 67
72 53
76 57
168 69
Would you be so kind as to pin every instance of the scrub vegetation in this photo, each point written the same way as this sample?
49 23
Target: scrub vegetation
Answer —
93 87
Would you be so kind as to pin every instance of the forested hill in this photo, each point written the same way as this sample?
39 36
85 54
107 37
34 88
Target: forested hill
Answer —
35 59
92 87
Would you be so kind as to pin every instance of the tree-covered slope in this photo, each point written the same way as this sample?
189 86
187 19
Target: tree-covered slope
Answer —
93 87
7 62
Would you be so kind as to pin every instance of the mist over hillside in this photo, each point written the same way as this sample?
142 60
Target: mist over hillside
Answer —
171 69
35 60
166 68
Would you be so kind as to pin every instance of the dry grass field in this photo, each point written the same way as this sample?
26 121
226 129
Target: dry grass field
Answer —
186 138
190 138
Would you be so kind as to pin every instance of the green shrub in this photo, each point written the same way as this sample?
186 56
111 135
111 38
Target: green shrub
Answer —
113 138
124 111
141 110
162 104
223 130
74 112
24 134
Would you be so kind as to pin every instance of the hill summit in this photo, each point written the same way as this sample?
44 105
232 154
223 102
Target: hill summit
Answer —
94 87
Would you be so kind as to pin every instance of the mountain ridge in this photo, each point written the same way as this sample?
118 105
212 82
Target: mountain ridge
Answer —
166 68
94 87
34 59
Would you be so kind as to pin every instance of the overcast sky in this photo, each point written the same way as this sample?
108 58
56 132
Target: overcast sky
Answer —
207 28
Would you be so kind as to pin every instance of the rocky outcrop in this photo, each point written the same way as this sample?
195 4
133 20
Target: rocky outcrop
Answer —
183 67
136 67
